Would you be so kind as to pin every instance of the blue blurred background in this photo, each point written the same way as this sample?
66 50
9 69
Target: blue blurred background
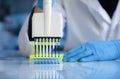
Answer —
12 16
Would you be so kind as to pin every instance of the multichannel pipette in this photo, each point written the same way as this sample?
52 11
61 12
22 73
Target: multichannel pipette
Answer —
47 32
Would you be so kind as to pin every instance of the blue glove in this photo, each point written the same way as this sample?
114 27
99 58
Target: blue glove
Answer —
40 3
94 51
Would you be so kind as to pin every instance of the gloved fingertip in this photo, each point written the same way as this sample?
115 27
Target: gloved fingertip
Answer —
41 7
83 60
88 59
53 2
72 60
40 4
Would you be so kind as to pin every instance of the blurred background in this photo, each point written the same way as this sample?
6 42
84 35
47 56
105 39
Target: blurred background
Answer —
12 16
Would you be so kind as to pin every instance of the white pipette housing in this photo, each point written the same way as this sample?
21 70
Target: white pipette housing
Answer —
48 23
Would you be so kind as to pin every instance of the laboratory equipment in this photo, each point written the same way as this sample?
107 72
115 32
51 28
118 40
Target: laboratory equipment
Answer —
47 32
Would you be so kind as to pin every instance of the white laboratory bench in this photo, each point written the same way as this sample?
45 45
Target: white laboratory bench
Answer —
19 68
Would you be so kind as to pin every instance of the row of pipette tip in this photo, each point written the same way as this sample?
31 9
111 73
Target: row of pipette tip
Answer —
46 61
45 45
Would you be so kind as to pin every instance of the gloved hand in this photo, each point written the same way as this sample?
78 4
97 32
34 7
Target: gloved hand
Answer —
93 51
40 3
